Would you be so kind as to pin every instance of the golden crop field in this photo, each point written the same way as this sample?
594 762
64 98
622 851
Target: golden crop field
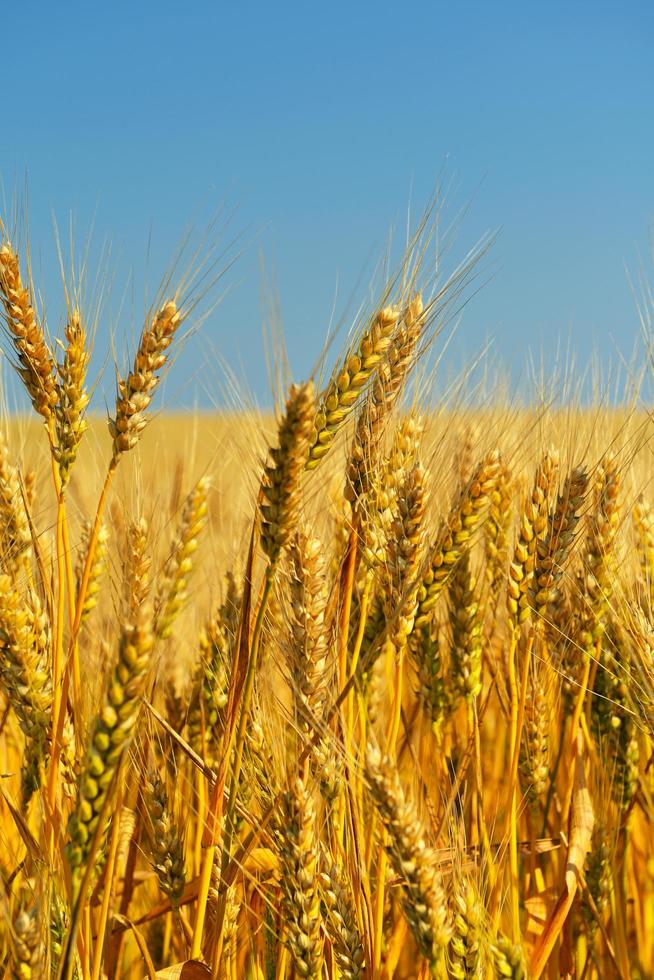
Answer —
362 688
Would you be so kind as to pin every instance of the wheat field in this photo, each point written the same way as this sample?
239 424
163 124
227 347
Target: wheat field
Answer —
359 688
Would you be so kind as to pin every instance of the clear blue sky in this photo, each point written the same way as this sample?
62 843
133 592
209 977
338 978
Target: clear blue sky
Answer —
318 122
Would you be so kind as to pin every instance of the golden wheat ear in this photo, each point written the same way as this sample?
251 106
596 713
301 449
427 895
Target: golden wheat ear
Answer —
341 922
178 569
25 675
165 846
98 567
404 554
16 539
280 486
296 839
72 397
532 529
553 551
348 382
135 392
466 627
385 391
28 950
36 366
456 534
424 902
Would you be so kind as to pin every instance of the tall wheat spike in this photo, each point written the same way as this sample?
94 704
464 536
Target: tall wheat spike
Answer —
466 517
135 392
348 382
424 902
35 361
72 396
280 486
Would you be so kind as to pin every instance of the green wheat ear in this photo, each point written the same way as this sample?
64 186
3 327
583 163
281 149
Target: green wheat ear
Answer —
112 736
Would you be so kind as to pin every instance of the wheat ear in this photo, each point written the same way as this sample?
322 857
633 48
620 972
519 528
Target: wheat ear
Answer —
385 390
112 735
466 517
16 539
25 675
424 902
135 392
532 529
299 866
280 486
177 571
35 362
346 385
466 949
405 550
466 627
643 521
165 845
73 398
98 567
554 549
340 922
28 948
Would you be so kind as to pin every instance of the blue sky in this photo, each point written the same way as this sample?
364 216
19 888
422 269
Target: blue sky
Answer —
317 124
